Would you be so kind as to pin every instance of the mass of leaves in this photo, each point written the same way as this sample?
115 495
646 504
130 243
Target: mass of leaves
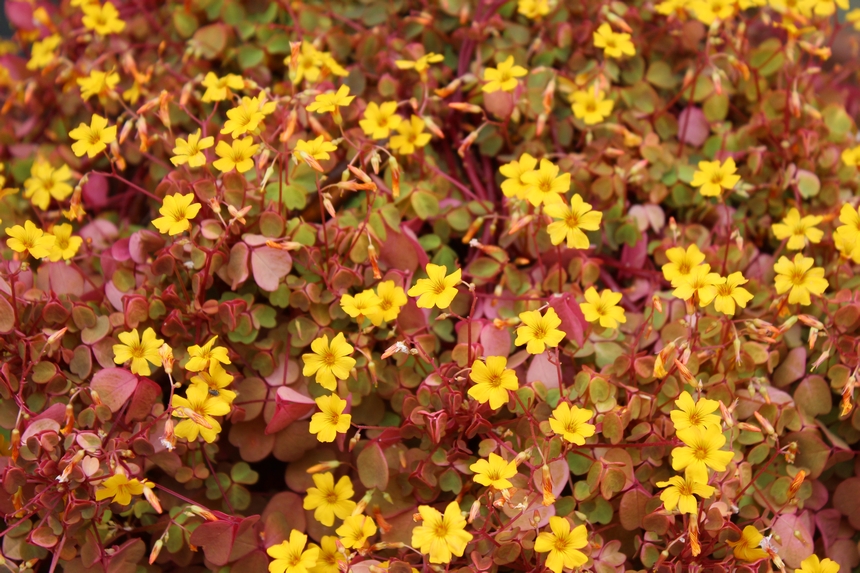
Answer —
481 285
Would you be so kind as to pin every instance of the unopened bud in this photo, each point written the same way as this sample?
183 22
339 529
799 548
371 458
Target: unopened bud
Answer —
548 497
324 467
151 497
166 354
796 483
168 438
156 549
474 511
202 512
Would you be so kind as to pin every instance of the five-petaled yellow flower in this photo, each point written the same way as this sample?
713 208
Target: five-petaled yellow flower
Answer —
799 231
332 102
44 52
680 492
215 382
850 156
317 148
694 414
46 182
726 293
198 410
503 76
441 536
331 557
291 556
247 116
847 236
141 350
533 9
813 565
365 303
571 423
391 299
238 156
98 84
573 220
539 331
698 282
329 499
591 105
330 420
681 263
492 381
603 308
65 245
191 151
177 211
614 44
410 136
546 186
102 19
30 239
747 547
329 361
701 450
421 65
494 472
219 89
202 356
120 488
355 530
438 289
707 11
562 544
94 138
712 177
380 119
799 278
513 185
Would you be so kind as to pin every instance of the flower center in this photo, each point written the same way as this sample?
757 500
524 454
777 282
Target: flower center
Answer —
95 137
798 277
724 290
329 358
137 350
440 530
385 304
438 287
700 452
717 178
331 497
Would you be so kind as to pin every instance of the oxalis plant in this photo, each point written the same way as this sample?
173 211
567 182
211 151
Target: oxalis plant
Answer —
455 285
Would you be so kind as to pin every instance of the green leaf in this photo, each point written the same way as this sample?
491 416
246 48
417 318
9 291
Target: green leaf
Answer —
372 467
242 473
425 204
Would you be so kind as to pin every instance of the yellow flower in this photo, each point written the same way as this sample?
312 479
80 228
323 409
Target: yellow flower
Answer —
696 414
494 472
94 138
329 361
379 120
330 557
44 52
697 282
795 8
726 292
800 278
219 89
177 212
847 237
391 299
247 116
239 156
291 556
747 547
545 184
203 356
603 307
410 136
681 263
854 18
712 177
46 182
363 304
798 231
103 20
573 220
538 332
120 488
421 65
503 77
571 422
813 565
332 102
438 289
308 64
513 185
98 84
140 350
707 11
701 450
330 420
614 44
591 106
191 151
198 409
65 245
29 238
851 156
492 381
680 492
533 9
562 545
215 381
355 530
669 7
316 148
328 499
441 536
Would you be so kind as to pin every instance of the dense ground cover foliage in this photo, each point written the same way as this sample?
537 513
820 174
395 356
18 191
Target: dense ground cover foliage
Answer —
480 285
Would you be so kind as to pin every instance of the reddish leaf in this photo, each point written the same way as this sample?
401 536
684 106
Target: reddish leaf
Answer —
289 407
143 399
7 316
573 323
115 386
496 341
372 467
224 541
126 558
270 266
632 509
796 533
542 370
693 128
